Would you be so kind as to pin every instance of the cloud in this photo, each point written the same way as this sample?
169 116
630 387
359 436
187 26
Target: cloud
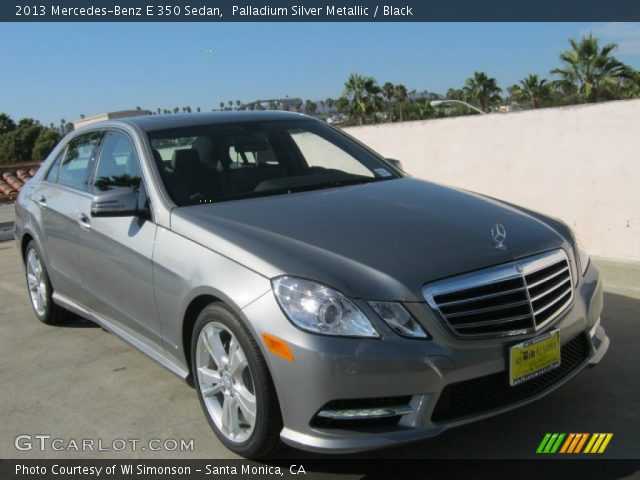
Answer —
626 35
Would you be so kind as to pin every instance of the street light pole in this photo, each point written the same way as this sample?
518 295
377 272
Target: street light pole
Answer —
437 103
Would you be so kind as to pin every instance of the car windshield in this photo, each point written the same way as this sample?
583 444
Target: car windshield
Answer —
213 163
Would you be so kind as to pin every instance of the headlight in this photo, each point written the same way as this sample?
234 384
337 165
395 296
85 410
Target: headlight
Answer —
397 317
584 261
319 309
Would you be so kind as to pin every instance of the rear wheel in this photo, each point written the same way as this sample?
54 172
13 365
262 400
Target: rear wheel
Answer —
233 384
39 286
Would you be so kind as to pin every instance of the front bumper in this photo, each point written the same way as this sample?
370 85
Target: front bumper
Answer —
330 369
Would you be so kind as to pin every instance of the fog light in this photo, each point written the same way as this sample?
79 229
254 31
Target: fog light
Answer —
365 413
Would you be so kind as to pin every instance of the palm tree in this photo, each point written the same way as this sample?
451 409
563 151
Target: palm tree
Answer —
329 103
531 89
221 105
400 92
482 90
360 96
388 90
630 87
589 72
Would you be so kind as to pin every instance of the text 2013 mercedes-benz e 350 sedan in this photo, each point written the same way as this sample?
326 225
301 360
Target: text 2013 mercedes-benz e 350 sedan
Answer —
312 291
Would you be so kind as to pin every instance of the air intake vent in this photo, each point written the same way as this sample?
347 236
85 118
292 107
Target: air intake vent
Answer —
512 299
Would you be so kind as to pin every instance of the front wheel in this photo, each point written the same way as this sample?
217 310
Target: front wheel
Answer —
39 285
233 384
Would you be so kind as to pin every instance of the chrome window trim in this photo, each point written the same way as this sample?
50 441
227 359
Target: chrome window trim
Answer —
508 271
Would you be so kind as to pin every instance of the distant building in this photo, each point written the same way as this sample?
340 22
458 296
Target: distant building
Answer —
81 122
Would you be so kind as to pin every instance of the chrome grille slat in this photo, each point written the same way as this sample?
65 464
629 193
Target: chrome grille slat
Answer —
550 290
482 297
467 303
492 322
556 300
539 282
488 309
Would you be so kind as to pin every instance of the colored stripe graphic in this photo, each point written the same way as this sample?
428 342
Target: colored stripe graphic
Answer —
544 441
567 443
573 443
581 443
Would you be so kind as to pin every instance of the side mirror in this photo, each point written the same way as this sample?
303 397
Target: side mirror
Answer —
118 202
395 163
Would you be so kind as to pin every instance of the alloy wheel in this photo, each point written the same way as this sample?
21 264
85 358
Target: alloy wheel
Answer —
37 282
225 382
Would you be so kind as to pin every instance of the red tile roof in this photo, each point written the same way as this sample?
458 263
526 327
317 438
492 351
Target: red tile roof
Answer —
13 177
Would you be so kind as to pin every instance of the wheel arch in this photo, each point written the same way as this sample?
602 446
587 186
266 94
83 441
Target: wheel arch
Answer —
26 238
194 306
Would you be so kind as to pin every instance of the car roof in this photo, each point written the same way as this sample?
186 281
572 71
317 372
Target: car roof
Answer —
163 122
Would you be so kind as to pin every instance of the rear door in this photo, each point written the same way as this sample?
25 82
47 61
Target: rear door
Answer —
58 197
116 252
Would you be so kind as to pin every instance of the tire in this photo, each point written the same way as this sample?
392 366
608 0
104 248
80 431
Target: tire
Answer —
234 381
39 287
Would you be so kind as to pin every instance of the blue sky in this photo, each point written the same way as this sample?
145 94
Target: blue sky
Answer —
53 71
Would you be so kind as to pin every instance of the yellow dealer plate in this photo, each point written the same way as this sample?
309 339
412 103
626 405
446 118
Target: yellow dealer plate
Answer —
534 357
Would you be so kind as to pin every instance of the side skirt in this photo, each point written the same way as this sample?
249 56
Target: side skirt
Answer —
127 335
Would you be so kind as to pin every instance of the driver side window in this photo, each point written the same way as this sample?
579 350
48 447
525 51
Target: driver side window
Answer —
118 165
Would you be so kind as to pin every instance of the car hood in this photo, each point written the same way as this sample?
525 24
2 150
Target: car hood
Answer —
381 240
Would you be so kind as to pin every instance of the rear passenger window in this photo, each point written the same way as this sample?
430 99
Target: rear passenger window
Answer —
118 165
74 166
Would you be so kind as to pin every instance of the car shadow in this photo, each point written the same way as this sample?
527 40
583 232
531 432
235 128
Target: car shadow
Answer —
76 321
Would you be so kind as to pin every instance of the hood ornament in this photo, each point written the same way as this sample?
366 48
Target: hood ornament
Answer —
499 234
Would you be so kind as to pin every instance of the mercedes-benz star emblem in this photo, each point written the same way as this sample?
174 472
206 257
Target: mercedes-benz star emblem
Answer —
499 234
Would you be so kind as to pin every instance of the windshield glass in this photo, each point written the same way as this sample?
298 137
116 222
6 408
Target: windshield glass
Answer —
207 164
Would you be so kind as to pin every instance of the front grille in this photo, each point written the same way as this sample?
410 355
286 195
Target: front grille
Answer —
483 394
515 298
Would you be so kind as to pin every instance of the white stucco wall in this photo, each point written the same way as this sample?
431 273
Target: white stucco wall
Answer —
581 164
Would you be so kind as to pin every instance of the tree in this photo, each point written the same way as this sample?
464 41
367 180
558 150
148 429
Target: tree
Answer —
630 87
138 108
455 94
388 91
310 107
531 89
221 105
329 102
482 90
361 97
46 141
28 140
400 93
159 110
6 124
198 109
590 73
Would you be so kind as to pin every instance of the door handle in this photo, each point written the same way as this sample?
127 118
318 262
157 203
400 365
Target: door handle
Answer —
42 201
83 221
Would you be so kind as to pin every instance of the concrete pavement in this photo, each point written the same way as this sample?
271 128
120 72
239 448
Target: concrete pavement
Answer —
76 381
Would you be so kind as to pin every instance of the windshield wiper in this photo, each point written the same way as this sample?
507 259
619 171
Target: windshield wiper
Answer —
292 189
332 183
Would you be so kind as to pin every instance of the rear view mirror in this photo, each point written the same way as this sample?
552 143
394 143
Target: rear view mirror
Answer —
395 163
118 202
250 142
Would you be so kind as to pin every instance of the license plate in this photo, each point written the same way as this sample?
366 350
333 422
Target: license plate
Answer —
534 357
